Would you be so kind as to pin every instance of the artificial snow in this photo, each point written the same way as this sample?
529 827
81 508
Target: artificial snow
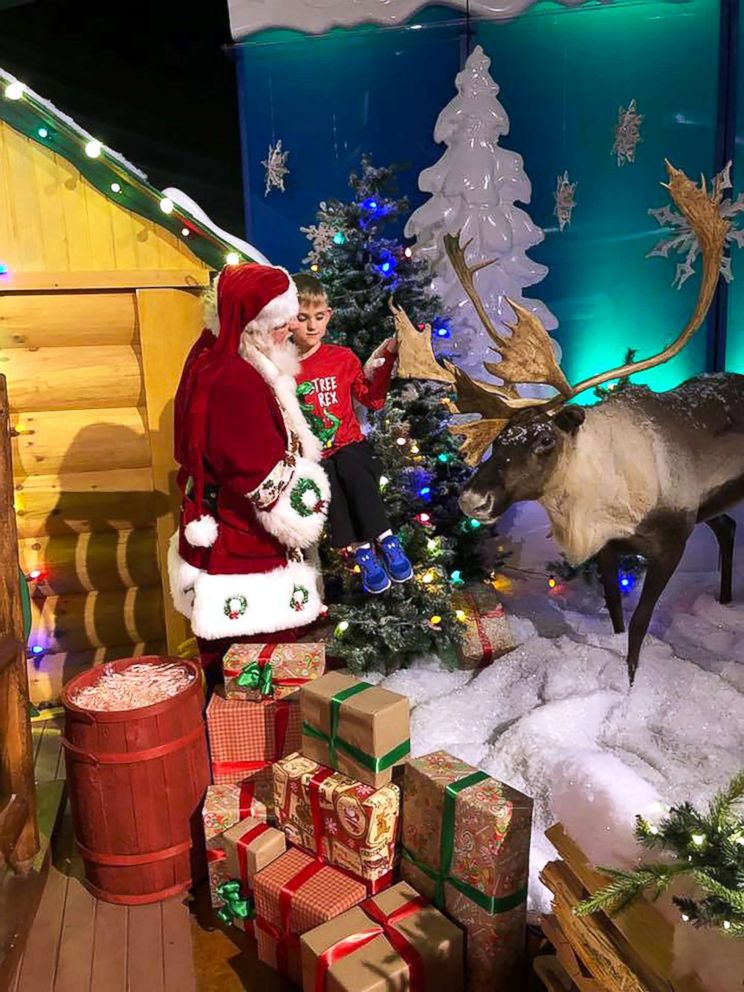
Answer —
192 207
555 718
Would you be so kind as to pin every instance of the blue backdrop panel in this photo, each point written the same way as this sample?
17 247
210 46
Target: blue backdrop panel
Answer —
332 98
735 322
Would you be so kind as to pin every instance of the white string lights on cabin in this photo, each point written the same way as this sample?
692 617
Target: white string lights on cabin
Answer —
54 123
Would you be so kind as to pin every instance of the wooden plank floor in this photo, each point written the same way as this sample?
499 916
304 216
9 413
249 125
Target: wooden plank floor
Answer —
79 944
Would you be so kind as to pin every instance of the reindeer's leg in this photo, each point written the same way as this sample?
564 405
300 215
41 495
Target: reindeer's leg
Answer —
724 527
607 560
660 568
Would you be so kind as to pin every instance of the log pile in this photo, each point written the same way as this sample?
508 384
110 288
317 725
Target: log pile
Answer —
630 952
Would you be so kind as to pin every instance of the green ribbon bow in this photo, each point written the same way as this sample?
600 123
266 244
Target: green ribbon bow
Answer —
255 676
237 906
336 743
491 904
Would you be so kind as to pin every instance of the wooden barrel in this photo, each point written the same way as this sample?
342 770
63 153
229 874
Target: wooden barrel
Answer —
136 780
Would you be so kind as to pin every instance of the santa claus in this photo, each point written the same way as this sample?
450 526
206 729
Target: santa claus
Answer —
254 494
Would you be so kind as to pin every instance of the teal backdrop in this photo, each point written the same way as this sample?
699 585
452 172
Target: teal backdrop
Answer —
563 74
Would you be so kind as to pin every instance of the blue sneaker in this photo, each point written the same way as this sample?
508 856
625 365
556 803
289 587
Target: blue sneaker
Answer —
398 566
374 577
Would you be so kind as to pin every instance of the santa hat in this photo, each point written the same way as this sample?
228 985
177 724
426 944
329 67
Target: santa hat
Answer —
249 297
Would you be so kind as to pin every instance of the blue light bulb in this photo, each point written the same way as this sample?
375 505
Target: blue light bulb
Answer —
37 649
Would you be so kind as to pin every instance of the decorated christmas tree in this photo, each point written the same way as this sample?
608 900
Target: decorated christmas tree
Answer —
474 189
361 268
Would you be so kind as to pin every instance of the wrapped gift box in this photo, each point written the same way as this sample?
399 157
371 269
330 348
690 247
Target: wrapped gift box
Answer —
396 940
257 671
466 844
226 805
486 631
245 739
353 727
217 869
346 823
293 895
249 846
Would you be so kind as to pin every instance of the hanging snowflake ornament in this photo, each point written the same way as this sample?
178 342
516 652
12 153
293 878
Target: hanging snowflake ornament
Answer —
565 200
321 236
627 133
682 239
275 164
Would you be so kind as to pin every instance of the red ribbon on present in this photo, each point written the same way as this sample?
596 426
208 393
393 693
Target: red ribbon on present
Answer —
245 799
215 855
486 645
385 927
283 935
242 845
313 789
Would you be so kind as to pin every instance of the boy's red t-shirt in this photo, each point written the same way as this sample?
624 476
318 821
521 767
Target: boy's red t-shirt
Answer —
327 383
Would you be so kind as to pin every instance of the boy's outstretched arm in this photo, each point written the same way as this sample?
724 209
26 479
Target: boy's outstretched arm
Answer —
372 382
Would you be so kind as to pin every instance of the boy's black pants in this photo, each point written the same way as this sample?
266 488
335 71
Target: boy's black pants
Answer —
357 512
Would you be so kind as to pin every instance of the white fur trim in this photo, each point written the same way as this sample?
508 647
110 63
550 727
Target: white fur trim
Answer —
181 578
278 311
201 533
268 601
284 523
285 388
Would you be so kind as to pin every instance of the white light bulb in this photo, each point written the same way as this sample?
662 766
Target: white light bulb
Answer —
383 481
166 205
93 149
726 925
685 918
653 830
185 232
698 839
14 91
115 188
232 258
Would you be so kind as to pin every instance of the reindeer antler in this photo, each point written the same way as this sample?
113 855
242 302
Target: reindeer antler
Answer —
526 356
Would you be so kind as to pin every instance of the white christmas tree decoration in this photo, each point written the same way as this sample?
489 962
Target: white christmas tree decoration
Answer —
275 164
565 200
682 239
474 189
627 133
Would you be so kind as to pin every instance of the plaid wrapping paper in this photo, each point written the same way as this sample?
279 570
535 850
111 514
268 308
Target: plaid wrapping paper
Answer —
246 738
487 634
466 844
344 822
290 667
226 805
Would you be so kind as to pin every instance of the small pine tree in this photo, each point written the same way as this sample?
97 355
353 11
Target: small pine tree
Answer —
706 848
360 268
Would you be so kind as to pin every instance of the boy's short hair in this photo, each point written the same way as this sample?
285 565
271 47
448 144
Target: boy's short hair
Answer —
310 288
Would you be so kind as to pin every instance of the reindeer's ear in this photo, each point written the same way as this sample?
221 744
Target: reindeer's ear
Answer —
570 419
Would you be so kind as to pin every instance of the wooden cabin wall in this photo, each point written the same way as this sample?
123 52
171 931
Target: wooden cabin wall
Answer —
97 313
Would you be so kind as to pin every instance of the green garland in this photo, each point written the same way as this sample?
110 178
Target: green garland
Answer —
707 849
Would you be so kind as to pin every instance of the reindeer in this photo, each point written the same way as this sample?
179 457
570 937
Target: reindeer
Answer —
634 474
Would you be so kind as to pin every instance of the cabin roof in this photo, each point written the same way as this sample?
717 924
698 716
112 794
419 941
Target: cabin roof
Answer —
117 178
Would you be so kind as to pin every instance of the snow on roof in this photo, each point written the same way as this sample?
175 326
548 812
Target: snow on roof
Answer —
183 215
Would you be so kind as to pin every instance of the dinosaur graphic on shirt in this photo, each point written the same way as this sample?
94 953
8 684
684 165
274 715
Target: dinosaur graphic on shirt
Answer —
325 426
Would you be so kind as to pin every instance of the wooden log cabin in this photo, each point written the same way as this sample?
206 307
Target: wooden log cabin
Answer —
100 278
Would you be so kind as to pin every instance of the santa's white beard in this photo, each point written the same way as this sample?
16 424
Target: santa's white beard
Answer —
285 356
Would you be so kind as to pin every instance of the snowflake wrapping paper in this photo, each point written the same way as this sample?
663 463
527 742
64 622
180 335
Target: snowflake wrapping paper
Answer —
293 895
466 846
226 805
258 671
346 823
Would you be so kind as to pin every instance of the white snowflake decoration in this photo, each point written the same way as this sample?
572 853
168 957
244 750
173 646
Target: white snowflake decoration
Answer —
275 164
565 200
321 236
683 240
627 133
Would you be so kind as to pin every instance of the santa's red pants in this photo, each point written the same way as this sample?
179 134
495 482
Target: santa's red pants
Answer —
212 652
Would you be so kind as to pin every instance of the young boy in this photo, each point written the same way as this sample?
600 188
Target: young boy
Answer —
331 377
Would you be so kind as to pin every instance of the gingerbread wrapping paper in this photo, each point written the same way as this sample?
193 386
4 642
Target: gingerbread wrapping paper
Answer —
226 805
245 739
259 671
466 842
346 823
353 727
294 894
487 634
396 940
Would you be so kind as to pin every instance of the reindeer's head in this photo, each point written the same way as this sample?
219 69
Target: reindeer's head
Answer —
528 436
